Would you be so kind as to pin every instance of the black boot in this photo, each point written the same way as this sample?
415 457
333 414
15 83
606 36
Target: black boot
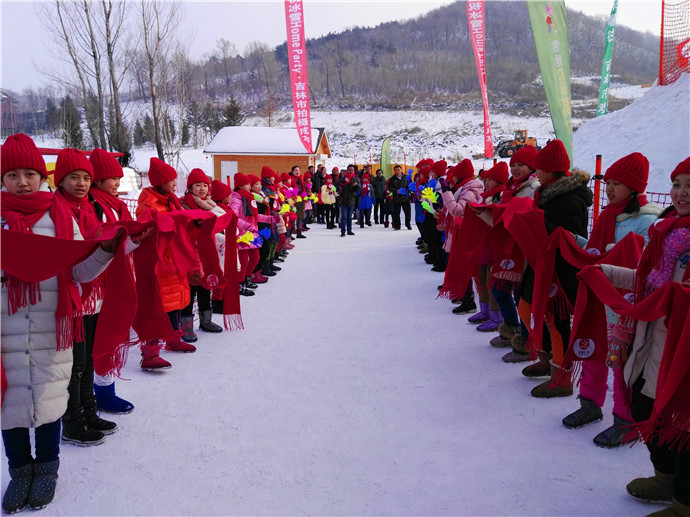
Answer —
88 402
44 483
266 271
77 432
245 291
17 493
273 267
249 284
466 303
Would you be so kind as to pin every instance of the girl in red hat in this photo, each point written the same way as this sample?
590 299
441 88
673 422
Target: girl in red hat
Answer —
627 211
656 375
197 197
39 325
327 201
174 285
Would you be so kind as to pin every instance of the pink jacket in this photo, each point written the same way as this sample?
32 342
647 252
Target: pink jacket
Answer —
454 205
247 223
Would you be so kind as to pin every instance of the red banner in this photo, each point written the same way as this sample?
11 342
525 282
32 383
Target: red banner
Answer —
297 62
475 23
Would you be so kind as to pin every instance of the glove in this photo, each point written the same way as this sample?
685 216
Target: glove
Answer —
432 183
276 218
445 186
402 191
265 233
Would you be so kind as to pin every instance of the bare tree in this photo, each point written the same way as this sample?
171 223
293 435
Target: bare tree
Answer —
264 67
158 21
226 52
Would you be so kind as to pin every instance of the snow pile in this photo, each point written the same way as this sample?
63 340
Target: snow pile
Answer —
656 125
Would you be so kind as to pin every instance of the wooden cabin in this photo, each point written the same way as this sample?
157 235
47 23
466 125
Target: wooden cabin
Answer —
247 149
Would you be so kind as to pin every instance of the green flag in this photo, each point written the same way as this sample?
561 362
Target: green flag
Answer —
603 104
386 158
550 31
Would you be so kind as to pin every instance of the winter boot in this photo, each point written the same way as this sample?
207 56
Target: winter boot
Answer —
656 489
385 224
266 271
613 436
250 284
541 368
77 432
278 259
108 402
492 324
273 267
505 335
177 345
245 291
151 359
207 324
88 402
519 353
676 509
482 315
258 278
546 391
588 413
467 304
43 486
187 328
17 493
217 306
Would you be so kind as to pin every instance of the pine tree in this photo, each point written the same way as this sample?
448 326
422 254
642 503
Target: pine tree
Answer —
148 128
52 121
232 113
72 135
139 134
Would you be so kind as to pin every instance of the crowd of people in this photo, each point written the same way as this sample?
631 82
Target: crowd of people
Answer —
573 303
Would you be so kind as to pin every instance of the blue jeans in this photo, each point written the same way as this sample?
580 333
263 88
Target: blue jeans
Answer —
346 218
506 304
18 444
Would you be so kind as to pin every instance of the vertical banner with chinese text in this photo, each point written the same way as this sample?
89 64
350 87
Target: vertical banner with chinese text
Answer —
475 23
550 31
297 63
605 85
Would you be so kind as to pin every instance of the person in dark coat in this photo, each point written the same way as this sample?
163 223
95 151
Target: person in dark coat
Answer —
378 183
316 184
397 186
349 189
565 199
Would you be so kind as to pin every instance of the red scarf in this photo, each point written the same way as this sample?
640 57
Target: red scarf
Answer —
652 253
604 232
21 213
250 201
670 418
365 190
190 199
83 211
114 209
224 206
488 194
232 313
512 187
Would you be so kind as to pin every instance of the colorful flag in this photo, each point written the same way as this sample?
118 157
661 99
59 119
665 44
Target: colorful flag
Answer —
475 23
550 31
603 104
297 63
386 158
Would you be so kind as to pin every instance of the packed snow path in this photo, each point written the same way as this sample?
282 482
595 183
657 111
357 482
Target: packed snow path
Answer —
351 391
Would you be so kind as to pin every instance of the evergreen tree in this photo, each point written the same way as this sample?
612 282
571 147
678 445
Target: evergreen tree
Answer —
52 120
72 135
212 119
185 133
139 134
232 114
148 128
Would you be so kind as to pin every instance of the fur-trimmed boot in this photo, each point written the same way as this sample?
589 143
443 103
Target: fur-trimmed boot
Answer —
655 489
482 315
541 368
505 335
545 390
17 493
187 328
44 483
151 359
175 344
519 353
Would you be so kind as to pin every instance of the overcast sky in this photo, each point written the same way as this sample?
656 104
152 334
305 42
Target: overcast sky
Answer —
25 45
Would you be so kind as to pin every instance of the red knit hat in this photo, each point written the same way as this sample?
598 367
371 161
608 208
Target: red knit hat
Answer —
553 158
253 178
219 190
20 152
239 180
464 170
267 172
366 177
682 168
197 176
105 165
70 160
498 173
439 168
160 172
525 155
631 170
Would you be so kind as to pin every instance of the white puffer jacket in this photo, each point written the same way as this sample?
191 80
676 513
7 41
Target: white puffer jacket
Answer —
37 374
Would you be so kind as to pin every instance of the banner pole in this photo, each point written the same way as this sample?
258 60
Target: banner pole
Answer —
597 189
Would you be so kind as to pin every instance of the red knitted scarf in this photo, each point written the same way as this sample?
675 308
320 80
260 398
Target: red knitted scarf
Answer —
604 232
114 209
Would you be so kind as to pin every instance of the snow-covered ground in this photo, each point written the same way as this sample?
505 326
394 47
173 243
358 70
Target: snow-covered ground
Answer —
351 391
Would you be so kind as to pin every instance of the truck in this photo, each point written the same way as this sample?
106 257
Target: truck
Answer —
506 148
